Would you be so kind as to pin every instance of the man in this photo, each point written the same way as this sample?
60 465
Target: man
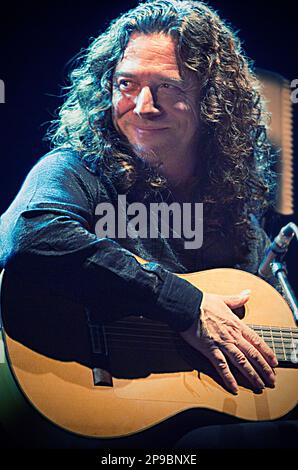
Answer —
162 105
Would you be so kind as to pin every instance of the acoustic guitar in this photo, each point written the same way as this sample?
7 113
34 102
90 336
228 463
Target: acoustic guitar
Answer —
148 373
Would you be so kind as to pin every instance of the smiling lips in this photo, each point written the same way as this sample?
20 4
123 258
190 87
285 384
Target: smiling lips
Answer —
150 129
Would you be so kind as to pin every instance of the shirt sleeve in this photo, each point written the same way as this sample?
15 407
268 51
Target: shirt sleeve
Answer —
48 228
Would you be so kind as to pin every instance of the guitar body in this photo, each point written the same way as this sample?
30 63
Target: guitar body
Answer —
154 375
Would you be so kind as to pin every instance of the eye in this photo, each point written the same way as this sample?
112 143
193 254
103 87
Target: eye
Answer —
167 86
126 85
169 89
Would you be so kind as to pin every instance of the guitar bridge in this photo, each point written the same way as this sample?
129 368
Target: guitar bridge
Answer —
102 377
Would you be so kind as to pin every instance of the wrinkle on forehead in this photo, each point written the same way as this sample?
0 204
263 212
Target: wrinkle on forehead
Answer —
160 44
147 54
154 50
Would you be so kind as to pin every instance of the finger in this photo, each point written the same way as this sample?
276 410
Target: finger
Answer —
260 345
218 360
257 360
236 301
239 360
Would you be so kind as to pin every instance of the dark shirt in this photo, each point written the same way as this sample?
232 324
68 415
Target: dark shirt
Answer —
50 228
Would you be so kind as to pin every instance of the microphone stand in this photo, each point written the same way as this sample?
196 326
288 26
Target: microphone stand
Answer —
279 270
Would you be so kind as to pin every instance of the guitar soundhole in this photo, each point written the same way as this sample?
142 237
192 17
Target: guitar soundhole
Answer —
240 312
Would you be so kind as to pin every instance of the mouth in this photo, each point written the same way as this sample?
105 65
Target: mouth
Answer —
150 129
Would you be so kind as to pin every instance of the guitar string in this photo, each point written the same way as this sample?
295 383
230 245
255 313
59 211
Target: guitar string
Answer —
172 336
159 328
138 341
281 359
272 341
170 351
146 340
137 337
132 347
144 320
123 346
168 334
257 328
171 347
278 349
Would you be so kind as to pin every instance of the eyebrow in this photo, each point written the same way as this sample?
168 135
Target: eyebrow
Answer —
175 81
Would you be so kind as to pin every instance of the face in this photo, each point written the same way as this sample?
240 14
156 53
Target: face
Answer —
153 106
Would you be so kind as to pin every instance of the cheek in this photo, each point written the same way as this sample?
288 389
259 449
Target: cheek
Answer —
186 111
121 105
182 107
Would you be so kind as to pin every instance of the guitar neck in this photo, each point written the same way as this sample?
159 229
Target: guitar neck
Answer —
283 341
139 333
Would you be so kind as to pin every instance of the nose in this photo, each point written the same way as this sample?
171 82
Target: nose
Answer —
145 103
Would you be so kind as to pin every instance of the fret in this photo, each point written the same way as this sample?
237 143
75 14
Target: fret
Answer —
280 340
280 351
286 342
260 332
285 335
273 345
276 347
283 341
280 344
283 345
281 358
275 332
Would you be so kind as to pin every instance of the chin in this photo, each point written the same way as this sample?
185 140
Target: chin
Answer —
148 155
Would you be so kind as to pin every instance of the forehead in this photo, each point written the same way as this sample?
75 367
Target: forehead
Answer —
148 54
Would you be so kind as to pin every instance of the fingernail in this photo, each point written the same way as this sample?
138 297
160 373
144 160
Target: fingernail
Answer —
271 378
271 384
260 386
246 292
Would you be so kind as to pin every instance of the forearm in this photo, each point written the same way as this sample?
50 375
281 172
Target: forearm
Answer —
100 273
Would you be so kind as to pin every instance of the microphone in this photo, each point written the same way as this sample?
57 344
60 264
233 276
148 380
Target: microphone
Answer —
278 247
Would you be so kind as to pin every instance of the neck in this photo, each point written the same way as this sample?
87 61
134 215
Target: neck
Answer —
181 175
178 166
183 192
282 340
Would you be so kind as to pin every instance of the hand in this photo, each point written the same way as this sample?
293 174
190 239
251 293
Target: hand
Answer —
219 334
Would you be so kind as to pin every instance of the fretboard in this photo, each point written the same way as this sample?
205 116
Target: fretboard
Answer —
283 341
142 333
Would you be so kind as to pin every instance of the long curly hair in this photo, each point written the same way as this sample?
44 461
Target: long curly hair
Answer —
236 177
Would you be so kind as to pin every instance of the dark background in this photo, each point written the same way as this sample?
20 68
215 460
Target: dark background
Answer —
38 39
